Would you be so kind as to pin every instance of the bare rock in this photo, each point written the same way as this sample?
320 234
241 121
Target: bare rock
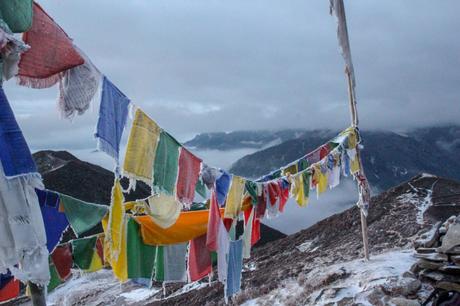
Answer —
409 274
450 269
401 286
451 239
455 259
452 251
449 286
440 277
398 301
428 239
430 265
437 257
442 230
376 297
426 250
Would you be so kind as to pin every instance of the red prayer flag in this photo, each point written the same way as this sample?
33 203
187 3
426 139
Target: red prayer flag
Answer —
189 172
284 195
213 224
199 259
100 249
255 235
62 259
51 52
9 291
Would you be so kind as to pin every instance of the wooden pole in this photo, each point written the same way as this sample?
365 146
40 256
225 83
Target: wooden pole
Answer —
37 294
354 122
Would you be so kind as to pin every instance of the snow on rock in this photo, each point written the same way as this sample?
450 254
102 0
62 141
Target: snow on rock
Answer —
352 281
98 288
420 198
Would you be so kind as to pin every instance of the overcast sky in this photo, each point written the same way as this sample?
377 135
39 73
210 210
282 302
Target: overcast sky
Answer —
208 65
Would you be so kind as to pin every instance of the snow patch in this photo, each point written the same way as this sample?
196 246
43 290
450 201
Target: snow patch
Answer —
421 203
307 246
361 277
140 294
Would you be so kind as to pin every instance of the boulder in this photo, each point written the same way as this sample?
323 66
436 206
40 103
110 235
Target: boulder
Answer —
455 259
453 251
437 257
430 265
401 286
450 269
451 239
449 286
428 239
426 250
398 301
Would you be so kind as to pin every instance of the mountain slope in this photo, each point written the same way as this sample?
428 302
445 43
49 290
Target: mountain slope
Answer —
294 269
389 158
321 265
246 139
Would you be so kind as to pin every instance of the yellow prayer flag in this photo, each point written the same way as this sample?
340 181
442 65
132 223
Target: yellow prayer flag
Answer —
234 198
114 230
299 193
292 169
322 180
142 146
119 265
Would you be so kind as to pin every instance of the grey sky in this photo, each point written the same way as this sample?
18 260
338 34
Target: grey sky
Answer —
208 65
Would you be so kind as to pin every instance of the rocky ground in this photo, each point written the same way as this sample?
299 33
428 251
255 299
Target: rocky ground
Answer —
315 263
322 265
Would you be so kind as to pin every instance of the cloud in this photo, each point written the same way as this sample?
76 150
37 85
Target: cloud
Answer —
334 201
209 65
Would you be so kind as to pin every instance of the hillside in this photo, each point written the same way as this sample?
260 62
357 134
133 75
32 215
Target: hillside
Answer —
389 158
321 265
247 139
321 258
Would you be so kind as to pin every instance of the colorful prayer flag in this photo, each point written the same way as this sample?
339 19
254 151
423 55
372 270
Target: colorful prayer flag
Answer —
82 215
51 52
189 171
142 147
113 113
166 163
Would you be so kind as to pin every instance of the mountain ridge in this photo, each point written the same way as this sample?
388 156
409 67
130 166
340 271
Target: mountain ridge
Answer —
389 158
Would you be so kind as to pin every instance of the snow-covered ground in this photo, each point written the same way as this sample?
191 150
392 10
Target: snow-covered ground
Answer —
98 288
361 277
421 202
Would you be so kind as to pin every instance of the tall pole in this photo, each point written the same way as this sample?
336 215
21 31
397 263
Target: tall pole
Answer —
354 122
37 294
338 9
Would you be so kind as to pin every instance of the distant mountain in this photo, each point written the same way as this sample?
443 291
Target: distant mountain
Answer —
245 139
389 158
64 173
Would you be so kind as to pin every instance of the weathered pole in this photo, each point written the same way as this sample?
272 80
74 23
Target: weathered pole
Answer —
37 294
338 8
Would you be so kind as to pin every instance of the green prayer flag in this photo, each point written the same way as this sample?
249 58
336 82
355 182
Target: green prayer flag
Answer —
200 188
141 257
159 264
251 188
302 164
306 183
82 216
198 206
17 14
165 167
214 258
54 280
82 251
